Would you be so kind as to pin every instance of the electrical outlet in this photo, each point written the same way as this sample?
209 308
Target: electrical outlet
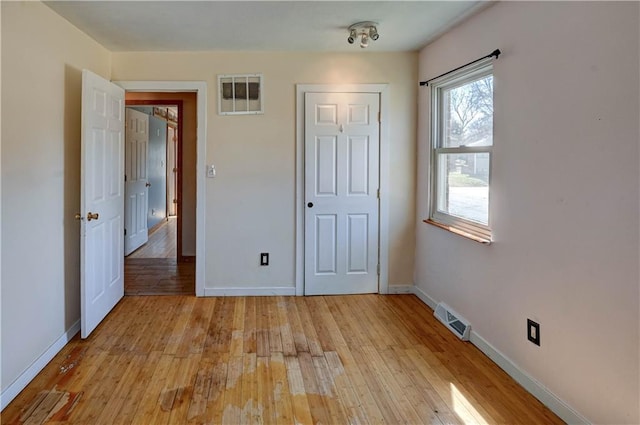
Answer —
533 332
264 258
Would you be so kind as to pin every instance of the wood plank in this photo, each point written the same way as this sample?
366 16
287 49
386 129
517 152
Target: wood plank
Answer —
275 339
315 347
317 404
180 326
263 348
282 406
184 388
299 401
217 389
361 387
233 392
236 347
250 411
286 333
264 393
151 397
299 337
201 388
249 335
328 391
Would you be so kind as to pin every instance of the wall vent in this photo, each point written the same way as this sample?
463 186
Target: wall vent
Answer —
452 320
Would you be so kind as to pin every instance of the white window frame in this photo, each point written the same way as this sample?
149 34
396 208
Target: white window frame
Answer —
469 73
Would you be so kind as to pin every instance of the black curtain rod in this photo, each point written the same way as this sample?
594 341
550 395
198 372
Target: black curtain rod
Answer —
495 53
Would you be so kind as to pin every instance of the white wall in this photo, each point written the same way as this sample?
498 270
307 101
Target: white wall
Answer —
42 59
250 205
565 202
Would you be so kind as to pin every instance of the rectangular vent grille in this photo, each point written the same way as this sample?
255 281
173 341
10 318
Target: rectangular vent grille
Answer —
452 320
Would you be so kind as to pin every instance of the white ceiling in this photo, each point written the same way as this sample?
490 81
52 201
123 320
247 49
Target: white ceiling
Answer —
260 25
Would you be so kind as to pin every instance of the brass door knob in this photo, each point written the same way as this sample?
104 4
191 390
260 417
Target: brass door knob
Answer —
78 216
92 216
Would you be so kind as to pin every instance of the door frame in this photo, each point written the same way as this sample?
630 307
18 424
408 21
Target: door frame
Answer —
383 227
200 88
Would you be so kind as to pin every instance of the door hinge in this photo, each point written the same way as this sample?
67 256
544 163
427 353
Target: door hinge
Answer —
379 117
125 232
378 269
378 194
125 177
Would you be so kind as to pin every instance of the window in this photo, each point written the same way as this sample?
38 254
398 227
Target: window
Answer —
461 145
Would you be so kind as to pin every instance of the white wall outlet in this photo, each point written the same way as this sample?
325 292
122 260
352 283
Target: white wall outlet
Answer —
211 171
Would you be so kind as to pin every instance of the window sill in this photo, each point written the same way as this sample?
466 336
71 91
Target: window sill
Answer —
459 232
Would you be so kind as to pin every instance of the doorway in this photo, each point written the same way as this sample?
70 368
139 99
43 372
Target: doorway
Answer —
154 159
165 264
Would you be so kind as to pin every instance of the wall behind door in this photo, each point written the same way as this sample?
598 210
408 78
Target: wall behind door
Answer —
250 205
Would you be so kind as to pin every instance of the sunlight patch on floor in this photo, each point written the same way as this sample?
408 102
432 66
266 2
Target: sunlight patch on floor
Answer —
464 409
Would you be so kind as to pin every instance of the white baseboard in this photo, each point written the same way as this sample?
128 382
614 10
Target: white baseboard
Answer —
424 297
27 376
535 388
249 292
400 289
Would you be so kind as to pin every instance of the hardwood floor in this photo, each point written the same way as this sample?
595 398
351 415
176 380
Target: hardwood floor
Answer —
162 242
158 276
273 360
153 269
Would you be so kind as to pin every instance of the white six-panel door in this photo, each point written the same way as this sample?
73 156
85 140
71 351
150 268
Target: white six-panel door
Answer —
136 188
341 193
101 200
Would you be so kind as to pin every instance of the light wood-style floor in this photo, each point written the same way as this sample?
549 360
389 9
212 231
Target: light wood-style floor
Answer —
159 276
162 242
273 360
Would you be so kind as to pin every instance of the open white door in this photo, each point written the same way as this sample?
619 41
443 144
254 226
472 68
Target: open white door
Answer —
136 182
101 200
342 139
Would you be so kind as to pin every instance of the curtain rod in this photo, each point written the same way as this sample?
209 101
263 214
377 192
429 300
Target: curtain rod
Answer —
495 53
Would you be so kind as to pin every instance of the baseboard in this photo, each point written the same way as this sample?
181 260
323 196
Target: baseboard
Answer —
531 385
535 388
156 226
27 376
424 297
248 292
400 289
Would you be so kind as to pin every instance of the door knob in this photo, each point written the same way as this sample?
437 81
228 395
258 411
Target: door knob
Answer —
78 216
148 184
92 216
310 204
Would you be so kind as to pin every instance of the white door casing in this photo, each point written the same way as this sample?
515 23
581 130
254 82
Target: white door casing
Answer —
101 200
342 137
136 181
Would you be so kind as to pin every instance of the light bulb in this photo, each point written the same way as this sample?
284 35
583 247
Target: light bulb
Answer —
352 36
364 40
373 33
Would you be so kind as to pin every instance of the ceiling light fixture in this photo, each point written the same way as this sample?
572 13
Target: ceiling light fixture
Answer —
365 30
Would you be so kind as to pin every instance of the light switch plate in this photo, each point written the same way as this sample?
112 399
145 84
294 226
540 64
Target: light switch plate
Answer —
211 171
